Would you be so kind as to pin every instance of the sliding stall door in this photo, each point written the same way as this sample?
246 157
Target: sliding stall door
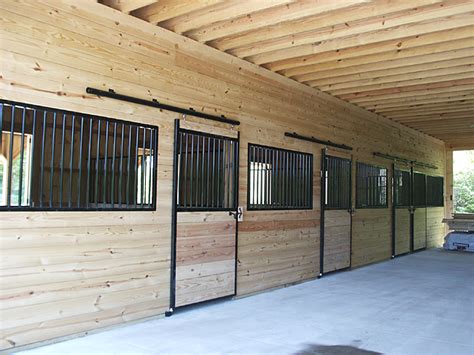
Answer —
419 211
206 226
402 211
337 213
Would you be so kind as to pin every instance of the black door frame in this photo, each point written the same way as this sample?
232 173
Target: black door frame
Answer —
174 214
411 209
324 168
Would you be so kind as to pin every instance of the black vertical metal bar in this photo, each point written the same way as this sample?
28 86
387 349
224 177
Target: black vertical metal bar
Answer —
142 192
179 176
61 164
128 164
322 211
300 180
22 152
42 158
218 194
228 172
249 177
412 210
112 184
203 159
89 151
71 161
152 155
96 192
197 170
275 175
174 204
307 178
236 204
135 171
236 176
155 168
296 181
350 210
261 165
184 175
208 177
10 155
281 176
257 176
393 210
265 176
213 179
120 189
33 142
53 144
106 150
293 179
191 173
79 164
303 180
224 172
289 179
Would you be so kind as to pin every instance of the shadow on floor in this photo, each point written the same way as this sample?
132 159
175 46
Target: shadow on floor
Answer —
316 349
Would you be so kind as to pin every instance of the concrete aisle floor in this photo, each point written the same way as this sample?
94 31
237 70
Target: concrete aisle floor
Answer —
416 304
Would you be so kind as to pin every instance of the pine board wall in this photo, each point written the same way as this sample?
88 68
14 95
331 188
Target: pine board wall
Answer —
70 272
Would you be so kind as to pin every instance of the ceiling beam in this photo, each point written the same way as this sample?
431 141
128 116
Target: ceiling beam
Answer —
413 94
433 53
380 48
410 108
127 5
408 89
165 9
420 75
441 99
351 28
382 73
220 12
325 20
465 74
363 39
300 9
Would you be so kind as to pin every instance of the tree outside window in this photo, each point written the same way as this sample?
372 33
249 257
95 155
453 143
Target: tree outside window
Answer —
464 181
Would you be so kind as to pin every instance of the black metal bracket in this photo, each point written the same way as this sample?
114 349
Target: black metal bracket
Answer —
156 104
316 140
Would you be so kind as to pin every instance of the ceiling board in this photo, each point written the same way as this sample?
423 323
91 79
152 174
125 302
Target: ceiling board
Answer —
410 61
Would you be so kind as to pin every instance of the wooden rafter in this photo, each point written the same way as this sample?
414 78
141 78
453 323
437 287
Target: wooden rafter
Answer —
410 61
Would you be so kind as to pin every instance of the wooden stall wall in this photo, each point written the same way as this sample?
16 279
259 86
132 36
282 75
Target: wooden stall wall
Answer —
435 229
69 272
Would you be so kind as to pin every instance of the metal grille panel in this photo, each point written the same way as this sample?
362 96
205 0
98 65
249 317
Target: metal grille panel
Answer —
207 172
371 186
434 191
402 188
279 179
338 183
62 160
419 190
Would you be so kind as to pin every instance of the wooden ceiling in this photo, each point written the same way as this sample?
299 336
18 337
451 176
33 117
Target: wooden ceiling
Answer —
408 60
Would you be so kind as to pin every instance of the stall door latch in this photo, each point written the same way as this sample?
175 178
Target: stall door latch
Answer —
238 215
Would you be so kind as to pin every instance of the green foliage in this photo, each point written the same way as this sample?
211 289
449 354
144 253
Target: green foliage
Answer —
464 185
